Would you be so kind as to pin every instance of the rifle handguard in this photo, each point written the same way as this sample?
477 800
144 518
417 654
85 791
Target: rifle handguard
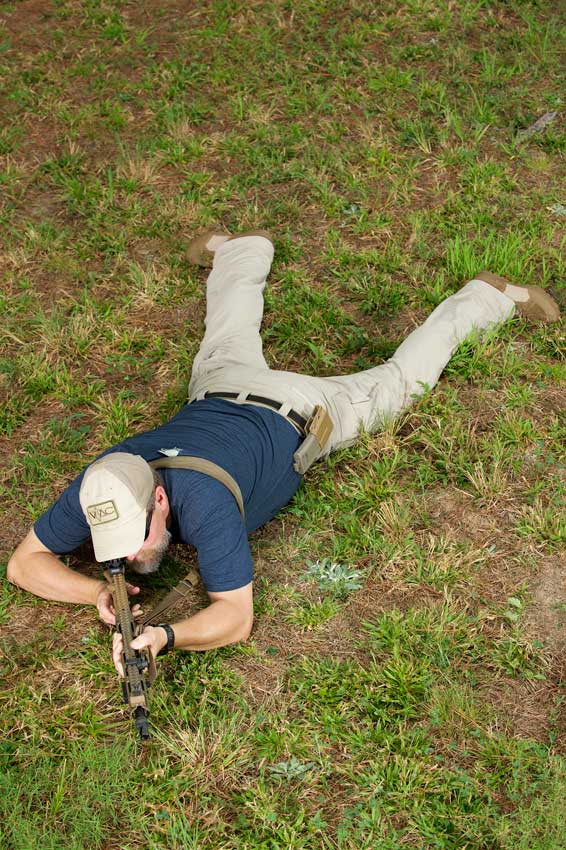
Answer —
139 665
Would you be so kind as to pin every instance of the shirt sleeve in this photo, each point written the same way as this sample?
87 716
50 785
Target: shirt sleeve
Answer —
220 538
63 526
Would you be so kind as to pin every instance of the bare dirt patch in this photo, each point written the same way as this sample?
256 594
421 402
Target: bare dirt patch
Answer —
528 709
29 23
546 615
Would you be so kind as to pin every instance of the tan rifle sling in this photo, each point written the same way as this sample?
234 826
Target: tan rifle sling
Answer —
207 467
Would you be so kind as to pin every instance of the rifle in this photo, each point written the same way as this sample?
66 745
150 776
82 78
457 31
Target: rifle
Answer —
139 667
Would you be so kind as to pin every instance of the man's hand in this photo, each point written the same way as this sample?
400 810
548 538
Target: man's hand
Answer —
152 637
106 606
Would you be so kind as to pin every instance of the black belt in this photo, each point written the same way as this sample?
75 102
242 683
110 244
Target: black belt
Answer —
295 417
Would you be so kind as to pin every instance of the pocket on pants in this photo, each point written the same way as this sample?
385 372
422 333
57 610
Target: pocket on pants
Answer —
352 410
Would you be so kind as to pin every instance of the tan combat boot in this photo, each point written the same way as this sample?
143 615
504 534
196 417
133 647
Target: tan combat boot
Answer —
530 301
201 249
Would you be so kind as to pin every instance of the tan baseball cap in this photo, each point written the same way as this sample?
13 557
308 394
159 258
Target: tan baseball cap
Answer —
114 495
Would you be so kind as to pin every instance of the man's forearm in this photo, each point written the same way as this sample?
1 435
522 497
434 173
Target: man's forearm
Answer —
45 575
218 625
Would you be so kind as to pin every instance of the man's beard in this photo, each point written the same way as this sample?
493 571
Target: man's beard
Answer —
152 557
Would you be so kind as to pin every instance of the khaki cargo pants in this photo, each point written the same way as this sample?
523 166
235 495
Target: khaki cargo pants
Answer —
231 359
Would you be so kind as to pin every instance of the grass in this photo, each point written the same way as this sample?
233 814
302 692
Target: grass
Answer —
402 685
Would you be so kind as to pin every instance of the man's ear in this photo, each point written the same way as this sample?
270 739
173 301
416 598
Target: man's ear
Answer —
161 498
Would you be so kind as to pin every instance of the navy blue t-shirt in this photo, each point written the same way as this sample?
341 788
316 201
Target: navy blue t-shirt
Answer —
254 444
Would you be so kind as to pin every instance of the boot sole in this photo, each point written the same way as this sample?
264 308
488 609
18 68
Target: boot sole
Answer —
199 255
541 307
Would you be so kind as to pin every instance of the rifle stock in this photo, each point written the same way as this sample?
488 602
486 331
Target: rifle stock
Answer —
138 666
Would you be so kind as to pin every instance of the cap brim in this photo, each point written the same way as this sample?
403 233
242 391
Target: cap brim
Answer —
118 541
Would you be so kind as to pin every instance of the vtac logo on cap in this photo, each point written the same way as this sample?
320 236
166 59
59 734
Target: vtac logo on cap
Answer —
104 512
114 495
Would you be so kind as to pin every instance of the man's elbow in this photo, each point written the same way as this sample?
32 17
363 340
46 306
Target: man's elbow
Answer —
13 571
244 629
23 564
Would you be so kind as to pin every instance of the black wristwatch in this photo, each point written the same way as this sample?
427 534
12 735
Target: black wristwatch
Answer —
170 638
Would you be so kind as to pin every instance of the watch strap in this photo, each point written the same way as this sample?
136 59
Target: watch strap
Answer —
170 638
